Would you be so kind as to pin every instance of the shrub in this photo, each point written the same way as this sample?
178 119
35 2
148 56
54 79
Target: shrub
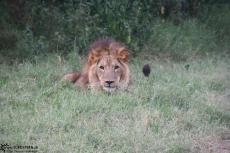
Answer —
189 39
60 26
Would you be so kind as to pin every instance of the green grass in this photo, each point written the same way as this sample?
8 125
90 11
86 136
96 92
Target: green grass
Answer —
189 39
171 111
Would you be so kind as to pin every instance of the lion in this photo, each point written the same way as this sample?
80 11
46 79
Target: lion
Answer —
106 68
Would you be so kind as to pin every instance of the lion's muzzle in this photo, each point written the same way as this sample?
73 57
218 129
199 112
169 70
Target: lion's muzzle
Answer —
109 86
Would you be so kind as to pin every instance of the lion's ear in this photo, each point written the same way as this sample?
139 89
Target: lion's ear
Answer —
93 57
123 54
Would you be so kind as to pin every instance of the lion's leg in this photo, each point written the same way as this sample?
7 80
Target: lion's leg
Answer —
73 77
82 81
79 80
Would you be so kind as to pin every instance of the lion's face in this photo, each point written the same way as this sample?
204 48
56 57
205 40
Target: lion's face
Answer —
109 72
108 67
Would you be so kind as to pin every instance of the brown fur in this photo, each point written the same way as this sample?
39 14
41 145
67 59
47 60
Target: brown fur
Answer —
106 68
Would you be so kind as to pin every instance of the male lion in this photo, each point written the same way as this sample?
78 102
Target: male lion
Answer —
106 68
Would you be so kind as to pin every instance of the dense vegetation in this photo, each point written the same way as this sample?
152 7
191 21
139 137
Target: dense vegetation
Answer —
184 27
182 107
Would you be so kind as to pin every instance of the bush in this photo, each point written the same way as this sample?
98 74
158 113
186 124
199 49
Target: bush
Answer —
187 40
217 19
60 26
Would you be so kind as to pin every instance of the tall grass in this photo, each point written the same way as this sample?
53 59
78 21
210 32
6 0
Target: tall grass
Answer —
187 40
183 106
176 109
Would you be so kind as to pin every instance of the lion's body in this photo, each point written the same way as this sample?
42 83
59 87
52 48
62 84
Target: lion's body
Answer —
106 68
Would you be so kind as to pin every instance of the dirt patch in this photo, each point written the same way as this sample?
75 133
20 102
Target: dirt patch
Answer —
213 145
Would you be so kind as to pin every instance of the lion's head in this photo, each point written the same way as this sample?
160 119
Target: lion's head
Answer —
108 66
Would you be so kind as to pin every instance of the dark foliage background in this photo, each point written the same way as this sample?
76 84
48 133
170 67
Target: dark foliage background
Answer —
177 27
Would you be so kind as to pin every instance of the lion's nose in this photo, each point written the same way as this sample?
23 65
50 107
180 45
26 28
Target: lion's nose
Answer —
109 82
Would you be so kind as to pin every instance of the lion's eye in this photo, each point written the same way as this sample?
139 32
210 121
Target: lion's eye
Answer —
101 67
116 67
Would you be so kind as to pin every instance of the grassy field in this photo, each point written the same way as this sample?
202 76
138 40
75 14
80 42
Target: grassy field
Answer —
182 107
